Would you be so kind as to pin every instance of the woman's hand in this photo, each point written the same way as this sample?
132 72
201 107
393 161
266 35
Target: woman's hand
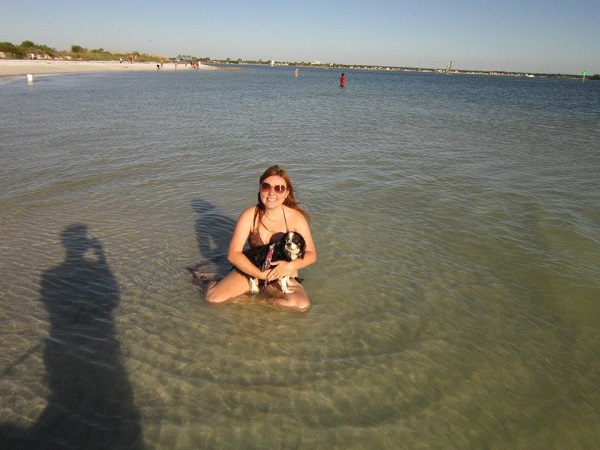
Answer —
279 270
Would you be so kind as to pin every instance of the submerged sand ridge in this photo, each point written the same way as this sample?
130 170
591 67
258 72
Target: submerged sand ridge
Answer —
15 67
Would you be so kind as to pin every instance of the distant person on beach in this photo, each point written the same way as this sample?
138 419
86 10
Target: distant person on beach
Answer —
343 80
276 213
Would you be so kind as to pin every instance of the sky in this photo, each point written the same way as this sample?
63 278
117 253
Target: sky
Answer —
551 36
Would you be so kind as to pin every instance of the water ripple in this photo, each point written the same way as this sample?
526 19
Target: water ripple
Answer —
454 298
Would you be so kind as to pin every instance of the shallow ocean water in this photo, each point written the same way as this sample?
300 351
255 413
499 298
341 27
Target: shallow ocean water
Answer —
454 300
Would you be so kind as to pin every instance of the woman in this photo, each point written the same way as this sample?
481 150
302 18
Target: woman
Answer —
265 223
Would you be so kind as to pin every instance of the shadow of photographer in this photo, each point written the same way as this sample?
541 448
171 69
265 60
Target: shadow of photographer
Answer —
91 401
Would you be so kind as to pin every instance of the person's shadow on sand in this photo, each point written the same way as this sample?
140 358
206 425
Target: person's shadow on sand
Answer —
90 405
213 233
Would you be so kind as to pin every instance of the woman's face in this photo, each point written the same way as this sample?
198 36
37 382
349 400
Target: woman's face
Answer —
273 191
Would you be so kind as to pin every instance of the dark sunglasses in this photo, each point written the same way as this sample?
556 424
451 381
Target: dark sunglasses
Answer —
279 189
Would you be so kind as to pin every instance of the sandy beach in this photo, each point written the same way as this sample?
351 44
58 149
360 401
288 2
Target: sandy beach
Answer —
15 67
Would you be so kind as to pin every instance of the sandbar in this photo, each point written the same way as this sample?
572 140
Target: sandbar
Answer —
15 67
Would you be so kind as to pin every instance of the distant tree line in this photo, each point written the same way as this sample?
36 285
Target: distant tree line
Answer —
27 48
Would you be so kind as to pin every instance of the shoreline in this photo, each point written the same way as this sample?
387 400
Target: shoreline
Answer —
18 67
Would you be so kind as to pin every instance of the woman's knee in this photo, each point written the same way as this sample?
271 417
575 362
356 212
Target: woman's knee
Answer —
303 304
229 287
298 302
212 294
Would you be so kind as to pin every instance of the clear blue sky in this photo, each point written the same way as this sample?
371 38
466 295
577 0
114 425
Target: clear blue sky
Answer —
551 36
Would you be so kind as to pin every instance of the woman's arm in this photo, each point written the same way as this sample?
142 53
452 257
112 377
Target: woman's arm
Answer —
235 254
310 253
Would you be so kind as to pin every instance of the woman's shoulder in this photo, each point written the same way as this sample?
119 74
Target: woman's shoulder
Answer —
294 217
247 215
250 211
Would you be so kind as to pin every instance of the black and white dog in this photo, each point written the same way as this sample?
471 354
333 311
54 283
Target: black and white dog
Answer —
290 247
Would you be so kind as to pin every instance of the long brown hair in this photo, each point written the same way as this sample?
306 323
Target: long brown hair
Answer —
290 200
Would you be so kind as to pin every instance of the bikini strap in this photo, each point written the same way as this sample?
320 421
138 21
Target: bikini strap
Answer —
284 219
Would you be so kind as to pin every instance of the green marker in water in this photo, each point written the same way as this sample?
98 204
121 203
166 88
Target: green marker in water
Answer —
584 74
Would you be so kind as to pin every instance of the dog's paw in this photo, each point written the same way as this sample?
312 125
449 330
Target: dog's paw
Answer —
253 285
285 282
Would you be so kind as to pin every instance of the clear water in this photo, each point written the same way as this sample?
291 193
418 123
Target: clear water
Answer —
455 298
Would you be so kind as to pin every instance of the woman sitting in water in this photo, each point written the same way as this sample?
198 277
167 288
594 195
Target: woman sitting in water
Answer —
275 213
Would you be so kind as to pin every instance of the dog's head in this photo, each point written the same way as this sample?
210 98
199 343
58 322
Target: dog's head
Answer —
294 245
